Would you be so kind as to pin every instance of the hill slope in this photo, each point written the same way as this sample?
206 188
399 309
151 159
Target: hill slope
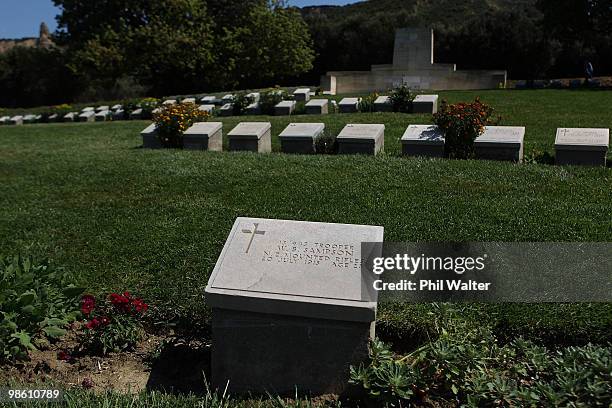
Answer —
476 34
426 12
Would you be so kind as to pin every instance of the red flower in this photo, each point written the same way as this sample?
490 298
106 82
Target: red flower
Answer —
87 382
92 324
88 303
104 321
121 302
62 355
139 305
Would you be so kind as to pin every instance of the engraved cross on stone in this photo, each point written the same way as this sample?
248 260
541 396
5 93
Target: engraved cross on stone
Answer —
253 233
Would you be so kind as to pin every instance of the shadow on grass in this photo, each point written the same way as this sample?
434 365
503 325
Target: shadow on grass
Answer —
180 369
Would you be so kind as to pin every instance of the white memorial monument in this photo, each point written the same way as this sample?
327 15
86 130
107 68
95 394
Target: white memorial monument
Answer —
413 65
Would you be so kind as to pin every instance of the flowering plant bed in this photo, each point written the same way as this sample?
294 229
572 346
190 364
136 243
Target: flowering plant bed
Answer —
462 123
172 121
115 324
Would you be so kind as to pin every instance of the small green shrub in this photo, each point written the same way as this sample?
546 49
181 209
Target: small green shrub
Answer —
326 143
240 103
36 302
113 325
468 365
366 103
270 98
62 109
539 157
401 99
333 106
300 108
147 105
129 105
386 378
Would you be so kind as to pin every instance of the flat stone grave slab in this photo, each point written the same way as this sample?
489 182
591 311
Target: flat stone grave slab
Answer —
348 105
204 136
88 116
302 94
188 100
383 104
255 96
582 146
102 108
227 98
317 107
29 119
300 137
103 116
136 114
284 108
16 120
425 104
423 140
116 107
500 143
88 109
70 117
253 109
251 136
291 306
207 108
208 99
361 139
53 118
169 102
119 114
149 138
4 120
226 110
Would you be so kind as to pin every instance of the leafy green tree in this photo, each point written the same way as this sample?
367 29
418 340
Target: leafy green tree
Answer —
35 77
175 46
166 45
512 40
274 44
173 52
82 20
583 28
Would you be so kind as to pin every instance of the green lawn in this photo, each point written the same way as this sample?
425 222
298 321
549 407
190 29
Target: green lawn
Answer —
154 221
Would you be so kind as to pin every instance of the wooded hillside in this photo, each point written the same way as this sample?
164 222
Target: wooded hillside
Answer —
530 38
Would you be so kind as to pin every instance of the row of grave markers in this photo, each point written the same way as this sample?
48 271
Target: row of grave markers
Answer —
421 104
116 112
88 114
573 146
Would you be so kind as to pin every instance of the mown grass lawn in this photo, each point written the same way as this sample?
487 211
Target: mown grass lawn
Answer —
154 221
